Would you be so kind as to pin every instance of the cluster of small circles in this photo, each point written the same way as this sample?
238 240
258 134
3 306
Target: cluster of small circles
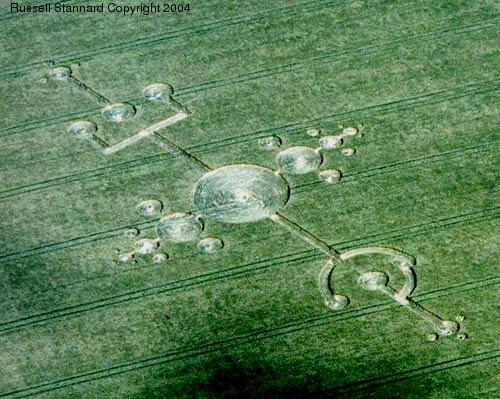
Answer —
349 132
144 246
148 246
434 336
183 227
298 160
176 227
129 257
346 132
325 142
331 142
301 160
119 112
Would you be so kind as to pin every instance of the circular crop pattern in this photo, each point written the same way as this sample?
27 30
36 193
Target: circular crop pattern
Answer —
299 160
118 112
158 92
82 129
240 193
179 227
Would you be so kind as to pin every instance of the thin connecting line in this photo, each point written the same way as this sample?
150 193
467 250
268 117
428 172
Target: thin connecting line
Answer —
442 326
404 263
88 90
374 280
306 236
177 151
65 74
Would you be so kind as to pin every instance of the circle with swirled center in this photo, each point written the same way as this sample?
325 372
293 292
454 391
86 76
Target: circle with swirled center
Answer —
240 193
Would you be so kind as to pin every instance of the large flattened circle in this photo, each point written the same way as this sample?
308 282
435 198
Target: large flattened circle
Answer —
240 193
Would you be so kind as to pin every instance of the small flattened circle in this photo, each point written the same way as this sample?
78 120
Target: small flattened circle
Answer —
432 337
150 208
350 131
160 257
299 160
373 281
338 302
270 143
240 193
82 129
330 176
126 257
348 152
60 73
179 227
210 245
118 112
462 336
330 142
448 327
158 92
313 132
133 232
146 246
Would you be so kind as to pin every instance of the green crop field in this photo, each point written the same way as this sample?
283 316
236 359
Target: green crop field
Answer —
144 255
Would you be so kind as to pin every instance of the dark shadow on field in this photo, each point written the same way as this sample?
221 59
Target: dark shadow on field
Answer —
231 378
